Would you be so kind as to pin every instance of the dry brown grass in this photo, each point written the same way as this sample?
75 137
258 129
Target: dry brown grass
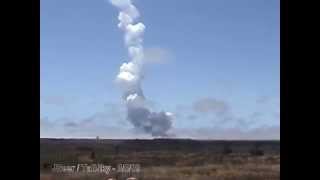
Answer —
166 160
226 171
51 176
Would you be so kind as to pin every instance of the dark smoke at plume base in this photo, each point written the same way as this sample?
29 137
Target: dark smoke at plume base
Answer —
156 124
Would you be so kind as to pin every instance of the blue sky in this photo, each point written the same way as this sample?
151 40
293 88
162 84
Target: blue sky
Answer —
211 53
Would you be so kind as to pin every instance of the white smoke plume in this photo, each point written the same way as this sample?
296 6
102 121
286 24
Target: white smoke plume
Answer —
130 74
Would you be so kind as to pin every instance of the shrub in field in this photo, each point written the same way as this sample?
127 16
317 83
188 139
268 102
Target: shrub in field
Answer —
256 151
226 150
93 155
46 166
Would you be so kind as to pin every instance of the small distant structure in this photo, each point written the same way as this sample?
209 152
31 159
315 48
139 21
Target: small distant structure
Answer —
97 139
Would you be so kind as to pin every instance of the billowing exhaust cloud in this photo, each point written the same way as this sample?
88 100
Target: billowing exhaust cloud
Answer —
130 74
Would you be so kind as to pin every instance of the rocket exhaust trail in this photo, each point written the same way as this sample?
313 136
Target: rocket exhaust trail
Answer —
130 75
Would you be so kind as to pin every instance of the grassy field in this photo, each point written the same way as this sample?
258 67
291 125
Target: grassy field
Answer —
164 159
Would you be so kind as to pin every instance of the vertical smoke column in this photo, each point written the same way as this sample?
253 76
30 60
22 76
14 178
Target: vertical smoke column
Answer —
130 74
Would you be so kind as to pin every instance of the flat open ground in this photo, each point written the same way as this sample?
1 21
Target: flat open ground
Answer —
164 159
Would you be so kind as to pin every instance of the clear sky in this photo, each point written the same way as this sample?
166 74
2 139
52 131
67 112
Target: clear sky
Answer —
206 57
